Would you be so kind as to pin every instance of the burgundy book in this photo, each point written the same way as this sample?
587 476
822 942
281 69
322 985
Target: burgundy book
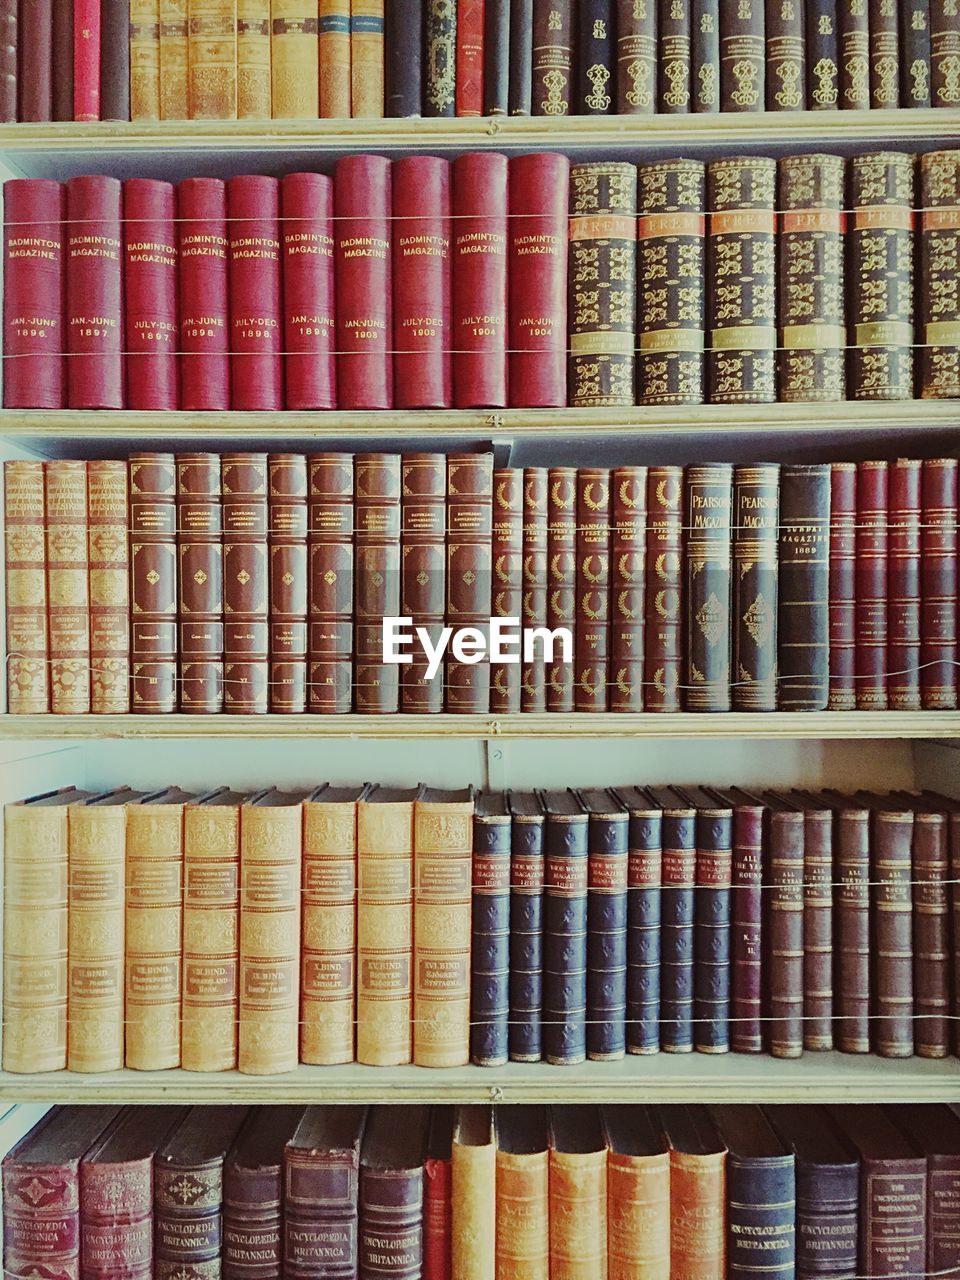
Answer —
936 1131
903 586
438 1196
817 922
469 553
539 197
592 649
871 579
391 1195
33 285
306 236
843 586
8 62
245 583
287 551
330 583
628 537
533 694
507 587
321 1173
377 579
256 318
479 335
115 59
891 937
938 584
852 872
204 294
783 928
200 568
94 316
153 582
108 575
362 209
746 925
62 59
150 294
35 40
561 584
664 589
469 71
422 283
86 60
931 927
423 553
253 1195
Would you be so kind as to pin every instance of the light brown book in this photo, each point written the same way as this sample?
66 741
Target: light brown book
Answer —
271 840
68 592
328 960
212 60
523 1194
578 1195
25 582
366 59
174 60
335 83
109 576
253 60
638 1194
697 1194
144 59
211 921
385 926
295 57
474 1194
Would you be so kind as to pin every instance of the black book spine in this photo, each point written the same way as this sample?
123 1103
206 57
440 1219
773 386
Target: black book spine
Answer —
804 613
761 1199
854 55
440 44
643 932
114 59
490 960
709 493
742 56
607 935
553 41
674 43
676 930
63 60
945 53
885 55
711 977
786 64
756 512
496 57
526 939
823 54
565 940
705 56
595 45
636 57
521 57
827 1203
403 52
915 53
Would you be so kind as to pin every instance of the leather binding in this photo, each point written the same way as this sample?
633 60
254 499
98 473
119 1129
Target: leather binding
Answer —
603 249
423 514
708 574
783 927
746 922
8 64
94 318
711 973
335 72
743 64
539 200
496 57
935 1130
200 577
479 334
881 258
939 243
211 903
705 56
256 314
628 545
852 903
915 54
608 845
810 277
253 60
403 58
437 1188
818 922
643 921
174 59
62 61
366 59
565 929
470 57
253 1235
636 57
87 32
638 1193
756 587
307 237
537 580
440 45
761 1186
674 36
270 911
422 302
442 881
204 294
678 878
823 55
490 943
385 915
327 964
469 557
523 1193
803 649
944 49
885 56
843 586
212 59
391 1195
246 584
938 583
330 553
854 55
931 941
294 60
507 586
664 589
151 330
34 41
377 579
33 280
561 561
903 585
362 205
109 586
25 583
153 582
289 580
954 854
521 57
473 1195
596 66
553 44
592 649
68 593
578 1193
741 312
891 876
697 1188
526 927
872 621
671 266
321 1177
786 56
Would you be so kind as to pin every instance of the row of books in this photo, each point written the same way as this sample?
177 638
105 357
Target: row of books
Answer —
480 1193
337 583
487 282
385 926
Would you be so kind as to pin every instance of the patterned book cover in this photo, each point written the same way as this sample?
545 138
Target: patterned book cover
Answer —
289 581
607 864
109 586
854 55
526 926
596 45
440 44
174 61
944 53
537 580
664 589
212 59
253 60
565 929
708 582
705 56
25 587
507 585
644 875
938 583
561 567
786 56
711 978
153 582
674 50
823 55
200 573
636 57
939 248
295 60
330 596
68 588
915 51
246 584
490 944
627 605
321 1177
742 56
423 512
144 60
756 585
592 648
553 49
578 1193
469 577
638 1192
885 55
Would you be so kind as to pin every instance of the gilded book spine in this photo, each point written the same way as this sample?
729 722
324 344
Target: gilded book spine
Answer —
144 60
931 935
843 588
212 76
377 578
938 584
872 619
553 46
295 60
636 57
335 59
68 589
287 547
507 587
561 578
756 514
915 65
200 571
592 654
885 54
823 52
109 573
174 92
330 583
944 53
366 59
253 60
469 551
423 513
535 583
939 267
664 589
673 34
709 490
786 56
246 576
742 56
25 582
628 546
153 581
441 58
903 585
854 55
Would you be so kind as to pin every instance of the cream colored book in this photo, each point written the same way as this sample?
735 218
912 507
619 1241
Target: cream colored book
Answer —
474 1195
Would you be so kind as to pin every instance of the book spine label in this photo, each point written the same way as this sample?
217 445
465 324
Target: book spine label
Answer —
440 44
742 56
151 329
187 1224
86 58
33 289
423 516
827 1204
891 873
561 563
553 43
307 237
893 1237
362 206
854 54
565 939
246 579
116 1219
578 1214
42 1236
252 1223
607 936
711 990
34 38
469 573
153 582
592 651
746 909
939 247
818 930
903 586
256 316
931 939
174 61
490 952
705 56
884 55
676 931
25 587
377 577
391 1224
200 572
785 920
295 60
872 610
93 294
938 584
536 580
403 55
212 59
523 1215
636 57
496 57
915 54
384 933
643 932
944 52
664 587
762 1199
526 938
480 250
853 931
330 555
595 62
68 588
320 1214
638 1226
366 59
943 1248
335 71
786 56
470 56
204 295
674 44
521 57
109 586
287 548
507 588
823 55
804 611
628 547
708 573
756 514
843 586
253 59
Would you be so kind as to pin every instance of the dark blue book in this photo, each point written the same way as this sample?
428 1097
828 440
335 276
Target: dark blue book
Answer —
761 1195
643 921
608 845
711 937
565 929
526 927
490 962
596 42
678 871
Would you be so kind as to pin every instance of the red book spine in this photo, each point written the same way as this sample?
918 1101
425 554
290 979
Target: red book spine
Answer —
34 37
94 294
330 557
903 586
86 59
533 691
309 322
204 295
469 559
746 903
664 586
507 591
421 283
153 582
200 576
938 585
592 655
116 1219
423 555
539 196
871 578
33 294
362 201
41 1219
377 579
561 579
287 537
256 365
628 539
437 1219
480 281
246 577
150 294
843 586
470 58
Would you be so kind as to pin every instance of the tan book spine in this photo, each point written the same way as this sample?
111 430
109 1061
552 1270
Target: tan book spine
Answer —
638 1225
474 1195
523 1222
95 941
109 563
253 60
578 1215
68 595
211 919
328 973
28 683
174 60
144 59
212 60
295 55
366 59
697 1216
335 83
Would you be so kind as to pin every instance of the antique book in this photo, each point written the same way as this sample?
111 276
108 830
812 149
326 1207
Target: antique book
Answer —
591 671
174 60
335 72
93 319
565 929
561 597
34 375
914 53
761 1186
109 586
35 79
480 248
470 58
473 1194
823 54
362 208
803 621
644 873
746 924
212 59
9 17
526 926
204 294
321 1177
252 1224
153 582
939 244
885 55
578 1194
330 583
200 576
938 583
376 579
678 880
307 240
711 928
553 45
936 1132
743 65
256 315
697 1194
506 601
756 585
523 1193
818 921
871 567
944 51
496 57
707 587
853 938
440 46
87 32
636 57
253 59
490 939
294 60
627 603
786 56
469 573
638 1193
437 1195
663 658
674 49
785 838
144 57
536 601
608 845
403 59
854 54
391 1195
843 586
903 585
25 587
287 556
596 65
151 333
891 897
931 927
366 59
68 588
705 56
423 552
246 583
521 57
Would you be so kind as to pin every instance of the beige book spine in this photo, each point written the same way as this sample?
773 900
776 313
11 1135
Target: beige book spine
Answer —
153 921
327 978
34 937
109 567
25 582
335 84
384 933
578 1215
523 1221
144 59
474 1204
174 60
211 919
95 946
698 1216
212 59
270 851
68 593
253 60
638 1226
295 57
366 59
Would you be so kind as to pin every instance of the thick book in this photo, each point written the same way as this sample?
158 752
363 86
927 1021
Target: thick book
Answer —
377 488
935 1130
636 57
288 577
108 550
596 64
362 209
204 295
786 56
843 586
437 1195
536 602
803 616
307 240
903 585
34 373
506 600
87 35
330 583
663 658
490 939
523 1193
35 72
94 269
246 583
366 59
253 59
853 942
252 1224
677 914
591 668
174 59
708 573
566 862
496 57
743 65
470 57
939 196
761 1186
294 60
212 59
607 864
153 582
480 256
423 554
521 57
403 59
944 50
391 1195
823 55
638 1193
256 315
151 330
938 583
554 38
9 18
871 627
440 70
627 603
756 585
854 21
473 1193
68 587
711 924
469 573
62 50
526 926
674 41
644 879
335 71
578 1193
25 586
698 1240
321 1177
885 56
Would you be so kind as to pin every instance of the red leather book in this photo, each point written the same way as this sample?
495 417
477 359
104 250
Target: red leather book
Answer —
321 1173
253 1195
783 929
561 578
108 563
421 283
469 77
33 283
153 582
871 580
437 1196
935 1130
287 545
362 206
204 294
507 587
891 895
592 653
150 294
539 197
306 201
94 289
628 541
843 586
852 874
664 586
8 62
256 318
377 579
903 586
938 584
86 59
479 336
35 40
423 518
533 692
469 555
246 579
330 584
200 567
931 928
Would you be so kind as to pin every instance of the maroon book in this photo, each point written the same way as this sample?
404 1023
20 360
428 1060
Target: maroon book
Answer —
246 645
746 925
903 586
321 1172
94 294
8 61
330 597
843 586
938 584
479 335
253 1195
204 295
539 194
35 39
150 294
871 579
86 59
33 366
438 1196
200 573
852 912
421 283
287 544
362 204
306 201
256 321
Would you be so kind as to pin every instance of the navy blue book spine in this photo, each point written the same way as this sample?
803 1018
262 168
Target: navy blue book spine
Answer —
711 981
565 940
490 972
643 933
607 935
827 1223
676 931
761 1208
526 939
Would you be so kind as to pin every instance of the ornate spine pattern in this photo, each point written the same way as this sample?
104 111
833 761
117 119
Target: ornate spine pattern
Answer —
377 576
854 55
674 46
945 53
153 581
68 590
823 55
330 567
423 513
553 43
939 267
885 55
664 589
742 56
287 550
561 553
627 604
709 493
441 58
536 488
903 586
592 650
25 584
756 509
636 57
246 579
786 56
200 575
507 587
469 554
212 73
253 59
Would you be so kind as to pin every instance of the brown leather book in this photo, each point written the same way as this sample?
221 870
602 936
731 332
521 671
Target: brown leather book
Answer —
561 563
391 1194
592 656
25 584
144 60
200 576
852 861
939 356
253 1195
377 579
698 1160
638 1194
212 79
664 589
246 577
935 1130
708 580
153 582
321 1174
523 1193
474 1194
554 44
627 606
253 60
756 568
469 560
507 585
535 611
423 514
287 548
68 588
785 830
174 60
330 572
931 927
818 922
578 1194
109 574
295 59
335 79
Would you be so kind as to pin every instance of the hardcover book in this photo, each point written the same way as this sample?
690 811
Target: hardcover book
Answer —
376 594
174 59
526 926
34 373
94 320
25 587
490 941
596 41
578 1193
553 46
608 838
423 554
523 1193
636 57
709 498
803 621
565 929
330 594
253 1235
335 71
480 251
644 877
473 1193
362 209
756 585
678 872
68 586
151 330
437 1195
307 239
256 316
903 585
295 60
391 1195
288 574
212 59
939 355
109 586
761 1186
366 58
205 331
246 583
253 59
638 1193
592 648
153 582
440 44
321 1175
698 1238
